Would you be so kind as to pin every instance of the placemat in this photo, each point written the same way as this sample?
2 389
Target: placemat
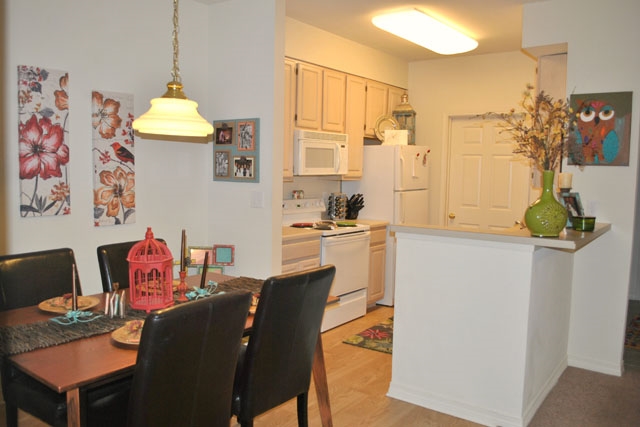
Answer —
22 338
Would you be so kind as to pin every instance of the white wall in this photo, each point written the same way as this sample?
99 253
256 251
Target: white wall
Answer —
311 44
119 46
246 41
602 38
458 86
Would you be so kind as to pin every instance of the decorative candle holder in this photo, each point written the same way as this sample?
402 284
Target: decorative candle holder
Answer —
182 287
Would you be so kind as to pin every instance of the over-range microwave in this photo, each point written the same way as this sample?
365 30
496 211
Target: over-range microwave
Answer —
320 153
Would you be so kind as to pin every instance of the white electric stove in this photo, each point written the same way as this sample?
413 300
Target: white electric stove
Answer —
343 244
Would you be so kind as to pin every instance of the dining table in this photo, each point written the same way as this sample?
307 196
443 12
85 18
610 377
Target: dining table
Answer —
71 366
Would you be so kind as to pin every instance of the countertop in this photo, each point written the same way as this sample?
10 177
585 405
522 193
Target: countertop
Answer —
569 239
372 222
293 233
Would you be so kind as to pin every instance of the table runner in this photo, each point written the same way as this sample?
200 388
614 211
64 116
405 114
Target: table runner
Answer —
23 338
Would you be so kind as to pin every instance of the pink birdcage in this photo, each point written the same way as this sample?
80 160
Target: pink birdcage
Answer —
150 274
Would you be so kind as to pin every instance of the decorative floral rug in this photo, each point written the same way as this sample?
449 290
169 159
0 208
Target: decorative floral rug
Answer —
632 337
378 337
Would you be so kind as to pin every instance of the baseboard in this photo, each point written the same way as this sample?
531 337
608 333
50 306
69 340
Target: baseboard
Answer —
452 407
596 365
551 382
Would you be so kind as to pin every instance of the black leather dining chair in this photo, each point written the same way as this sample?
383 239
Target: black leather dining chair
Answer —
114 267
186 362
27 279
276 364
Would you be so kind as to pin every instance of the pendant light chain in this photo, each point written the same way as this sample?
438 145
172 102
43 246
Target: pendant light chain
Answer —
176 28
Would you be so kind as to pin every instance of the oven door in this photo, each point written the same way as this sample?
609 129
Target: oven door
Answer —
350 255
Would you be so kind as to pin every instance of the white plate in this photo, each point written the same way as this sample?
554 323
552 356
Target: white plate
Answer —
383 123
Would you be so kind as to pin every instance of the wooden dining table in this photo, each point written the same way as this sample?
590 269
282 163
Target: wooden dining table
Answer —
70 367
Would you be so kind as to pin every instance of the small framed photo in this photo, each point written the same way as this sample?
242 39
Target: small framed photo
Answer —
223 133
221 163
246 135
572 202
197 253
243 167
223 254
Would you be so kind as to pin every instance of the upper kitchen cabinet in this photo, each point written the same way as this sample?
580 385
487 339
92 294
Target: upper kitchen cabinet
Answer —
377 105
320 99
381 101
354 124
395 98
289 117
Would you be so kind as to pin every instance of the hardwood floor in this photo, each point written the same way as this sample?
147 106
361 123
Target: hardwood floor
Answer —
359 379
358 382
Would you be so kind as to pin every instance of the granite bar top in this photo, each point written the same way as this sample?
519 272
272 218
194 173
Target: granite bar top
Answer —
569 239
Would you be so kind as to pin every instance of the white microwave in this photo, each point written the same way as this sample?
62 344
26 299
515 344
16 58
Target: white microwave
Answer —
320 153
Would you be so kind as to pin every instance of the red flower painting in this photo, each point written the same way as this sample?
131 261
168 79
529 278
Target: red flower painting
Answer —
42 149
43 109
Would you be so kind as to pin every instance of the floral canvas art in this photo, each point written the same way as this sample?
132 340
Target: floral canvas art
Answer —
43 120
114 178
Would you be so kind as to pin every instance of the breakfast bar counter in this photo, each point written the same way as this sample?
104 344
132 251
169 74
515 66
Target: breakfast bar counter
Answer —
481 321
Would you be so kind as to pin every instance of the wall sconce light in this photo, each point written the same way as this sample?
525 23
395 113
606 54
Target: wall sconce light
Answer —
173 113
421 29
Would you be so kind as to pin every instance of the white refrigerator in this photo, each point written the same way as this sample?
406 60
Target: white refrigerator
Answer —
395 186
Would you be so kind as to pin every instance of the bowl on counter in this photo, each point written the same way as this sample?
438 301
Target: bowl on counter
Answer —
584 223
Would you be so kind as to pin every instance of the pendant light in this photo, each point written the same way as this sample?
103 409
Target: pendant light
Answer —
173 113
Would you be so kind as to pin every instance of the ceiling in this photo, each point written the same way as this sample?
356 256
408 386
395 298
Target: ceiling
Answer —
495 24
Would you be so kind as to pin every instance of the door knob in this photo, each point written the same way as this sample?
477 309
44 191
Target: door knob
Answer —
452 215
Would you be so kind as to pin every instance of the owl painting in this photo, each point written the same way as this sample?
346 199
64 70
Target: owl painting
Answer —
602 127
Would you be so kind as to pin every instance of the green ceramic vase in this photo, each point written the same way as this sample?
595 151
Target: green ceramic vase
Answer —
546 217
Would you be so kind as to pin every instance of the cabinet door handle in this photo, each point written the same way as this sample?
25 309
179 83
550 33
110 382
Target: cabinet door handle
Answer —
452 215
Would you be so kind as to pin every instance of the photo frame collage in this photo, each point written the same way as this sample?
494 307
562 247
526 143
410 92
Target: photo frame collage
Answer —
236 155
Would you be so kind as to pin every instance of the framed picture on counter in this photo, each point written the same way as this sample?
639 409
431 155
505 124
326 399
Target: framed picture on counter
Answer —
572 202
236 152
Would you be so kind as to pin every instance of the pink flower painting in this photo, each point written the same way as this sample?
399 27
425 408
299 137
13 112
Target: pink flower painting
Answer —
114 195
43 111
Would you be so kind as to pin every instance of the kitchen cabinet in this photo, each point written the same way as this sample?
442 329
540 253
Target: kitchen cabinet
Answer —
395 98
320 98
300 249
377 259
289 118
333 100
376 106
381 100
354 124
308 96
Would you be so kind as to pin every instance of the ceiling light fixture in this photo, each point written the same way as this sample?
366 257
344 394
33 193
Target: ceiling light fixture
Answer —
423 30
173 113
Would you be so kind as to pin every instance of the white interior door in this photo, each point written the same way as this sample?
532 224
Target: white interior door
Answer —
488 186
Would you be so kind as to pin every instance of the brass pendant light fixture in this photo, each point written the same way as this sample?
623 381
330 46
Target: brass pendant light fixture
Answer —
173 113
